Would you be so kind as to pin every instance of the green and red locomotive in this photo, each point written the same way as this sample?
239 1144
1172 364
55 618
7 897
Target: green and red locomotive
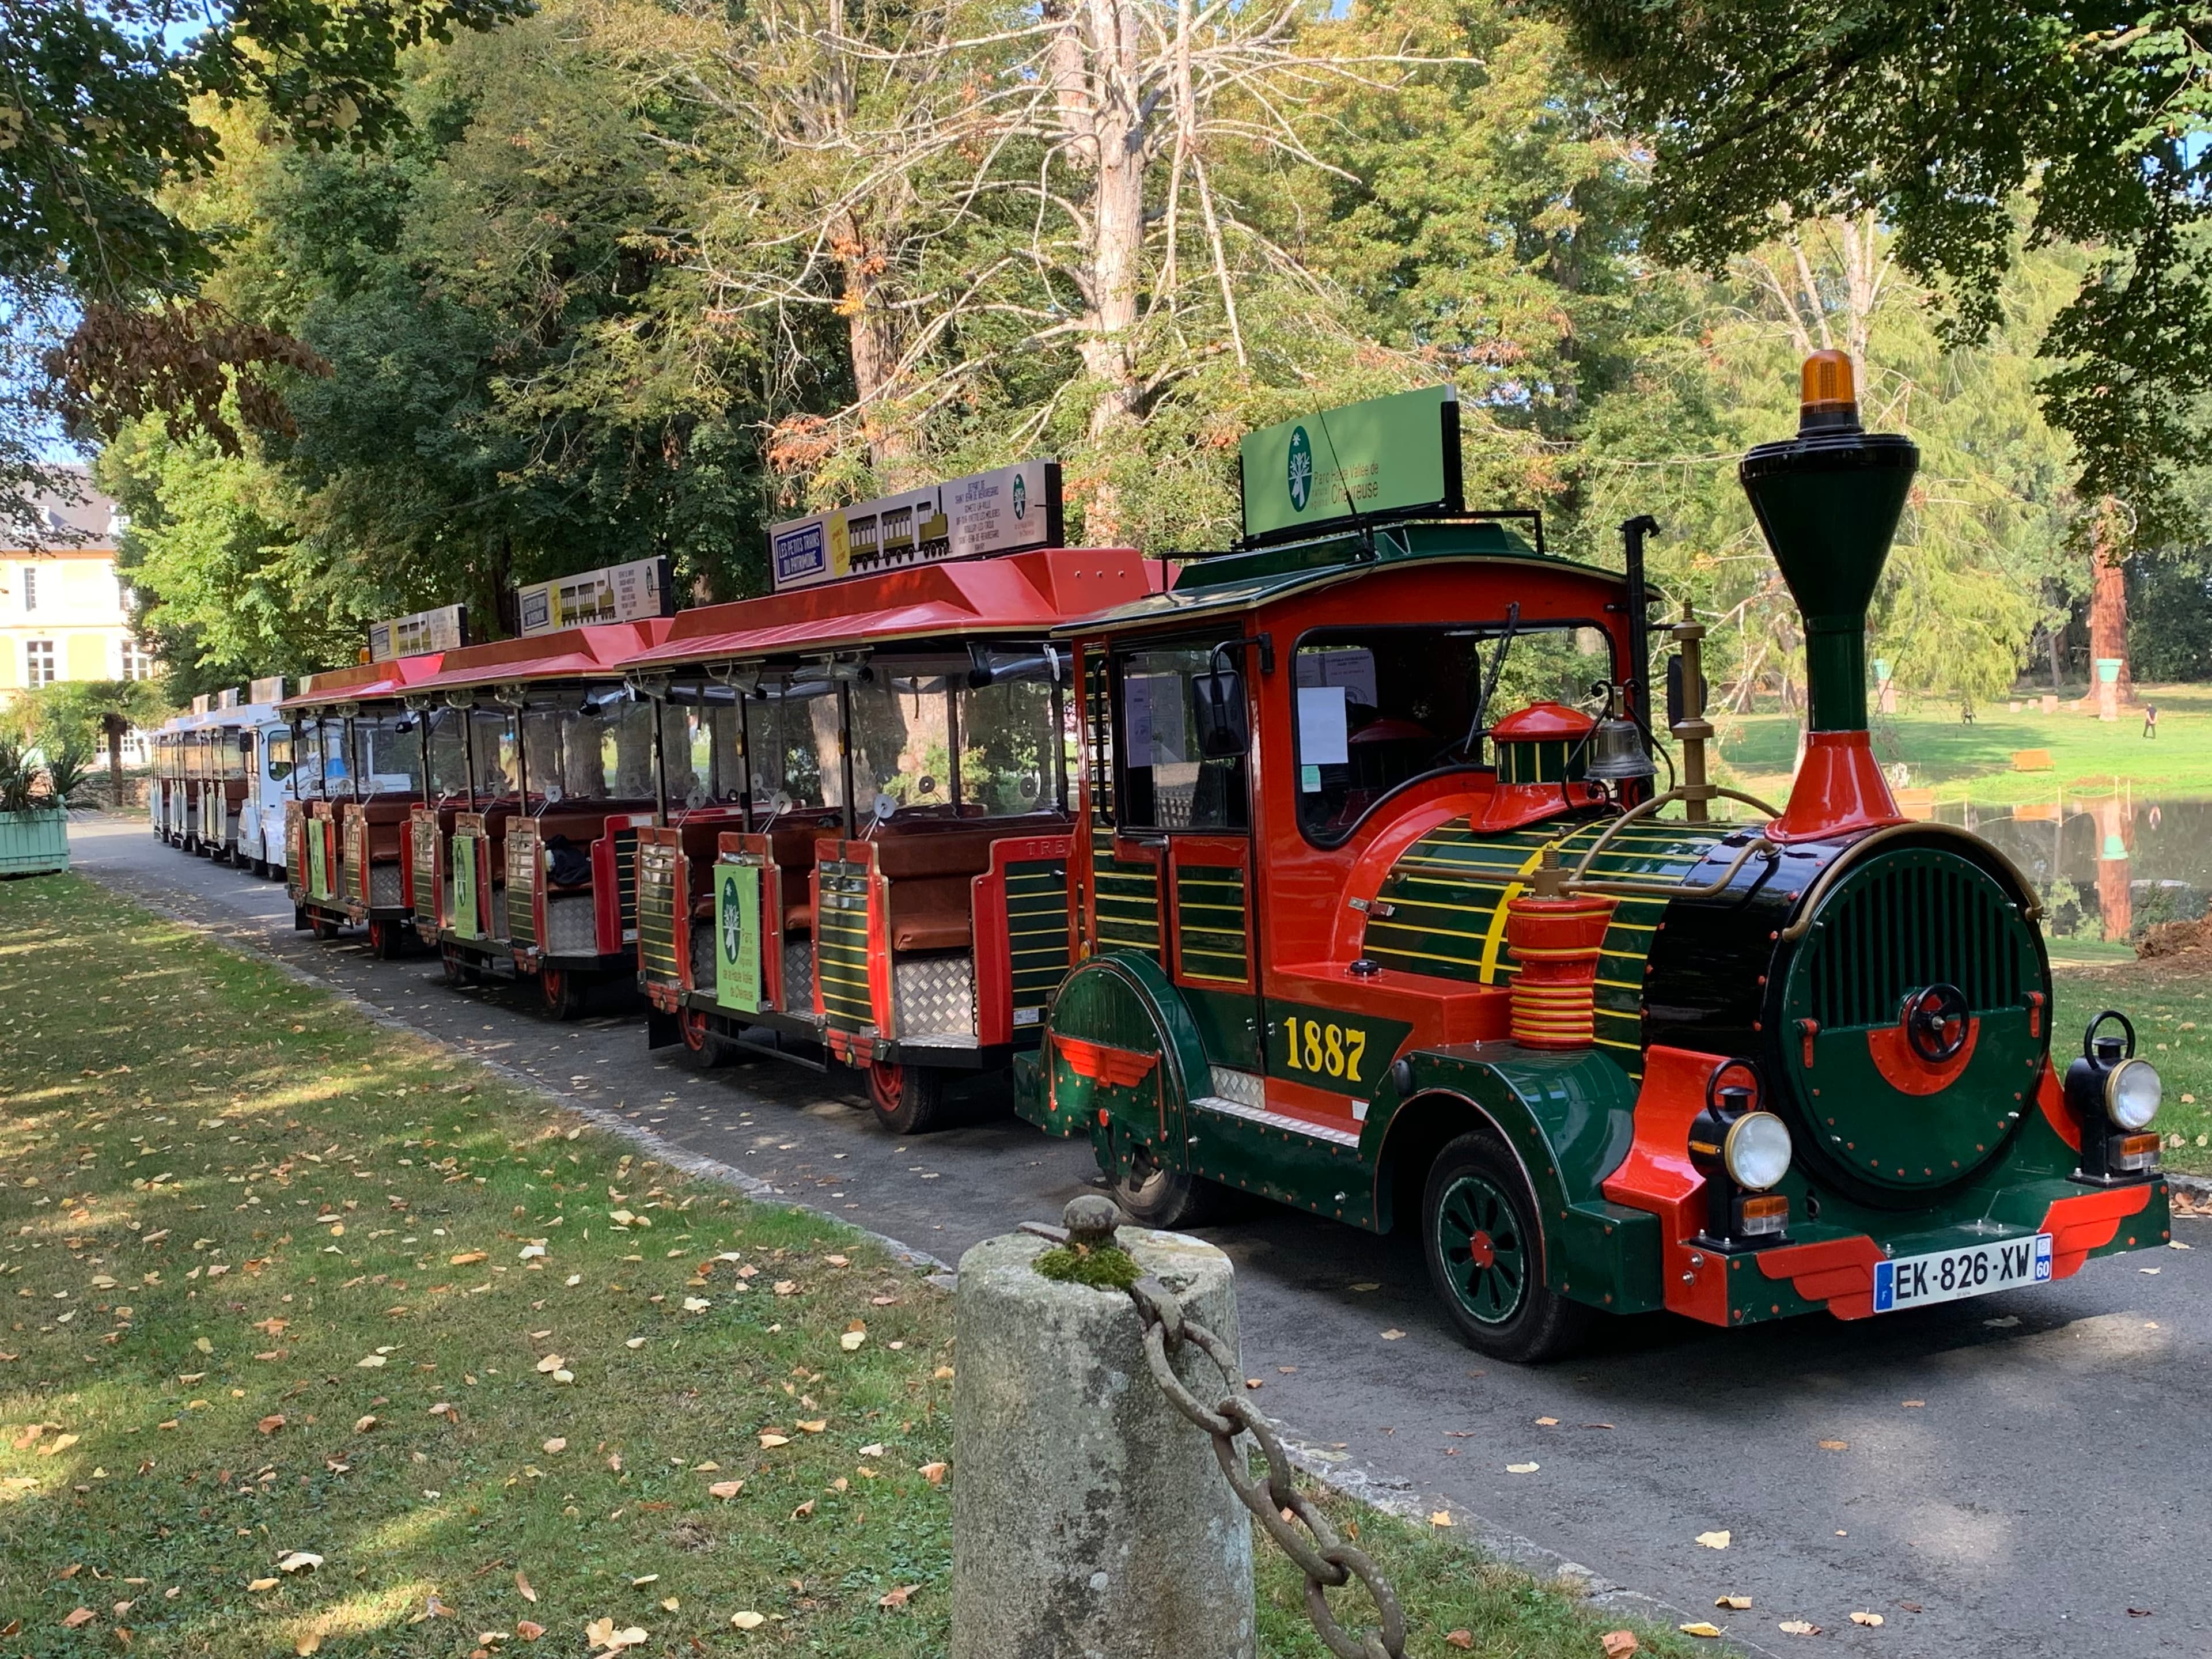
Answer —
1374 919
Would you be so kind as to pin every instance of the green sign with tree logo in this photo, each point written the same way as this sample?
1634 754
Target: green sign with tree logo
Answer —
738 936
1336 466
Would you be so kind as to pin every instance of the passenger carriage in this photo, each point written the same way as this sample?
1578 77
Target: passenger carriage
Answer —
355 771
1381 914
864 845
540 779
231 741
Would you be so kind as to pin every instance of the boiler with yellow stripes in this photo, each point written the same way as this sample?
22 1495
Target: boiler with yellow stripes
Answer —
1442 909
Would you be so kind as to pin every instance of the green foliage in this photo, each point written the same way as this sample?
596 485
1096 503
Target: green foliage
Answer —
2169 617
1939 117
71 714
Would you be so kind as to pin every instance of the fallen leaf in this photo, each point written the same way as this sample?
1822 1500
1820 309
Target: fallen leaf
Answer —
1869 1619
551 1363
1391 1334
203 1345
1523 1469
1914 1405
896 1597
1740 1603
364 1424
725 1489
814 1424
696 1305
69 1572
59 1443
748 1620
522 1589
874 1450
371 1363
269 1425
2010 1320
770 1441
1547 1422
1465 1638
81 1616
851 1340
1911 1607
555 1446
1835 1445
308 1643
933 1473
261 1584
649 1578
1715 1541
1798 1627
942 1374
529 1628
803 1510
300 1561
1617 1644
634 1342
466 1259
1440 1517
1701 1628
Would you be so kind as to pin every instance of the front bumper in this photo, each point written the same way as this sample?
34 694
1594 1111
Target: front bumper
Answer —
1837 1272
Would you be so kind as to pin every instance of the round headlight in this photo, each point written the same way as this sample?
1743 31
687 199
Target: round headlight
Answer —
2132 1093
1757 1151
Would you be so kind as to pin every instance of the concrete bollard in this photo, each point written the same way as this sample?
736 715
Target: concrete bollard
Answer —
1090 1519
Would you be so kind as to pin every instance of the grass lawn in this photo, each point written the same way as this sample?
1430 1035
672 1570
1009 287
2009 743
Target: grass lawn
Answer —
2169 1001
315 1337
1974 763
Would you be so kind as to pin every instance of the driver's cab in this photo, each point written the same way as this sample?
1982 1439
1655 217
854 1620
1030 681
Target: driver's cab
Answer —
1265 738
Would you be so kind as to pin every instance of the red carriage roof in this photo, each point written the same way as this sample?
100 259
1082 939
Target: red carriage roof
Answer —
1017 593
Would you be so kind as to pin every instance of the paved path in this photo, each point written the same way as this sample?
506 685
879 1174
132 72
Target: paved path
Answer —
2040 1490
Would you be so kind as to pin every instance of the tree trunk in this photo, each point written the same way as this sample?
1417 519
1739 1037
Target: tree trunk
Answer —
2058 672
873 338
2108 600
115 728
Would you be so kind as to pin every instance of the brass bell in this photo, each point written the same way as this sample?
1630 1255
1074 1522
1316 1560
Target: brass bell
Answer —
1616 752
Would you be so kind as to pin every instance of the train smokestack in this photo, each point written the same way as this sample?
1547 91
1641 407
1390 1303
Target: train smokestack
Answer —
1828 501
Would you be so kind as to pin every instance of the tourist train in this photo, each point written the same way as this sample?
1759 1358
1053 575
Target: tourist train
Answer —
1334 868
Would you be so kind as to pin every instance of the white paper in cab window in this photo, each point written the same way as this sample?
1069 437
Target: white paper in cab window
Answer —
1152 718
1323 738
1351 667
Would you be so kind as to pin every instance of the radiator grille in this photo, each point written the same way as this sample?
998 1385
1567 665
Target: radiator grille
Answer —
841 944
656 911
1128 900
1909 921
423 845
1210 924
625 842
522 869
1037 927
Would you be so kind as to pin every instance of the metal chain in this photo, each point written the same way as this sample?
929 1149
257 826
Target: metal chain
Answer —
1327 1561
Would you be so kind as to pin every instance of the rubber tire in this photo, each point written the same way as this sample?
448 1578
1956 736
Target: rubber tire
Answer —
386 939
456 967
906 1099
1165 1198
1476 1177
701 1049
562 992
326 927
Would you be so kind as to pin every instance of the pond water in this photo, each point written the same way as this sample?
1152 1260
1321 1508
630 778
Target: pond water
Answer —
2107 866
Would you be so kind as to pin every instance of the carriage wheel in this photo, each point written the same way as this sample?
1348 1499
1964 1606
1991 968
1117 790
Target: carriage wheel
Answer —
456 966
906 1098
385 939
562 992
704 1049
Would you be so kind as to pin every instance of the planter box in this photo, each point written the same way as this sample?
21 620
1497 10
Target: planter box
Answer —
34 843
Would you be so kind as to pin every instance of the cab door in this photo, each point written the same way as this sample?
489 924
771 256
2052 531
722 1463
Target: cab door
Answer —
1183 804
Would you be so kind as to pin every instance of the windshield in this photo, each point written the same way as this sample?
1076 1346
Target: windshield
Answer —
1011 751
788 737
388 749
279 752
1378 708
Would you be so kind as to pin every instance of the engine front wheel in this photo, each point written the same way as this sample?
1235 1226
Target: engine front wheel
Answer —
906 1099
1485 1256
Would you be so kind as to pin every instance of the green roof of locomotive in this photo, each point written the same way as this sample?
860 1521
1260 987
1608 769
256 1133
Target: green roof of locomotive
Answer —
1212 584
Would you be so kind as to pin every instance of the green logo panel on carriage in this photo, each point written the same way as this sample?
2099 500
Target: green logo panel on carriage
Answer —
466 914
738 937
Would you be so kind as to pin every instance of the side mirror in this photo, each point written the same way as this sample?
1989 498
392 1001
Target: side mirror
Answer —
1217 704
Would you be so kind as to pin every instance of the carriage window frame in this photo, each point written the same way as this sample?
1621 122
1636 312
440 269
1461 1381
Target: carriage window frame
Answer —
1546 625
1234 655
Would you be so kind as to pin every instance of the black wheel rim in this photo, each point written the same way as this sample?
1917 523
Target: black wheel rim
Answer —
1485 1255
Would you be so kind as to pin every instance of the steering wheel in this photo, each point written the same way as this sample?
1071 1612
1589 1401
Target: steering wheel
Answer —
1936 1021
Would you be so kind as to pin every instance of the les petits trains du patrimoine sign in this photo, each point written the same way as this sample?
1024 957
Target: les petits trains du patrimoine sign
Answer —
1332 467
1009 509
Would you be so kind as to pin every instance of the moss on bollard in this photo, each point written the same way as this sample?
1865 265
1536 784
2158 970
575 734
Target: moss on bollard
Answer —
1106 1268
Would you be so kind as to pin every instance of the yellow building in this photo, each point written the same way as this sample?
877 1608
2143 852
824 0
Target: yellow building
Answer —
64 613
